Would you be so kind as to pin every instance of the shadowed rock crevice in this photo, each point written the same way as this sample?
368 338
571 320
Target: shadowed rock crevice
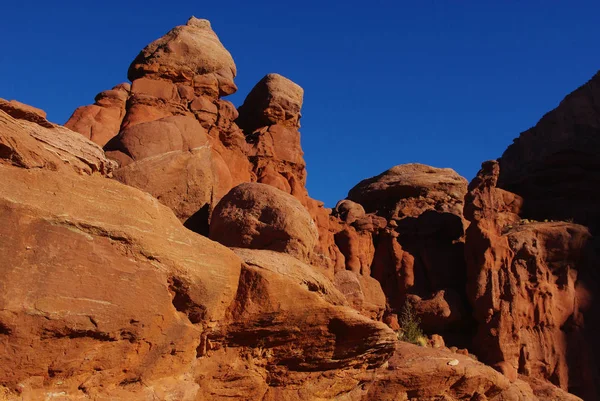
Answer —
183 303
199 221
74 333
5 330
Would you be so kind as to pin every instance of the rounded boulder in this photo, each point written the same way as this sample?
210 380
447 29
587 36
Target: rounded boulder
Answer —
260 216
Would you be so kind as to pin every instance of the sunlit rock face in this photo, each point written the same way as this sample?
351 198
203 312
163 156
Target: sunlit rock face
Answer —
172 251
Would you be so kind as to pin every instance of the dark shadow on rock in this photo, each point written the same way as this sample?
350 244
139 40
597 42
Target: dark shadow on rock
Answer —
198 222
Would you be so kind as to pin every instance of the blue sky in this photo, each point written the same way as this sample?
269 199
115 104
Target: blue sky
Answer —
445 83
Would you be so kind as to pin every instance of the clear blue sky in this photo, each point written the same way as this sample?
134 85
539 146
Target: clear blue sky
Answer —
445 83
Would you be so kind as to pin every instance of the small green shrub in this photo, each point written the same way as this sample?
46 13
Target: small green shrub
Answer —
410 326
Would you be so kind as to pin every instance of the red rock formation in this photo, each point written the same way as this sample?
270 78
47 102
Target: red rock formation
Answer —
172 119
22 111
554 166
270 118
265 325
101 121
105 295
260 216
33 142
410 189
102 287
524 285
419 253
179 141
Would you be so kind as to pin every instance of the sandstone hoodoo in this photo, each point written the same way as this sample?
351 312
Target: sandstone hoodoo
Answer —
163 246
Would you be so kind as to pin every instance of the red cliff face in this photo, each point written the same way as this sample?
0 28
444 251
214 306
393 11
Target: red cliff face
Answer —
554 166
107 295
526 282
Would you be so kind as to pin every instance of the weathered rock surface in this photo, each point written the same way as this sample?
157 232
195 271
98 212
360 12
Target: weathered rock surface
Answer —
170 131
270 118
328 333
416 373
363 292
184 53
408 190
300 323
274 100
524 283
260 216
554 166
22 111
26 143
406 230
101 121
102 287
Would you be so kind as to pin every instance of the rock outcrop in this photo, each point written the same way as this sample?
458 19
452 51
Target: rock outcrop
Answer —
106 295
102 286
554 166
260 216
525 286
418 227
172 119
101 121
28 140
409 190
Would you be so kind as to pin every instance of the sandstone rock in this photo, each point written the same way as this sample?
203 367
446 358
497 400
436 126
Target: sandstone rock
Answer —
410 189
363 292
259 216
270 120
27 144
357 248
274 100
266 313
22 111
418 373
547 392
554 165
190 183
443 309
437 341
105 296
271 348
177 133
349 211
102 287
172 114
419 253
525 287
185 52
101 121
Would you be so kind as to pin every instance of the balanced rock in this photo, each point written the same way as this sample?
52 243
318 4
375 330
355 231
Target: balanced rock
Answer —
273 100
